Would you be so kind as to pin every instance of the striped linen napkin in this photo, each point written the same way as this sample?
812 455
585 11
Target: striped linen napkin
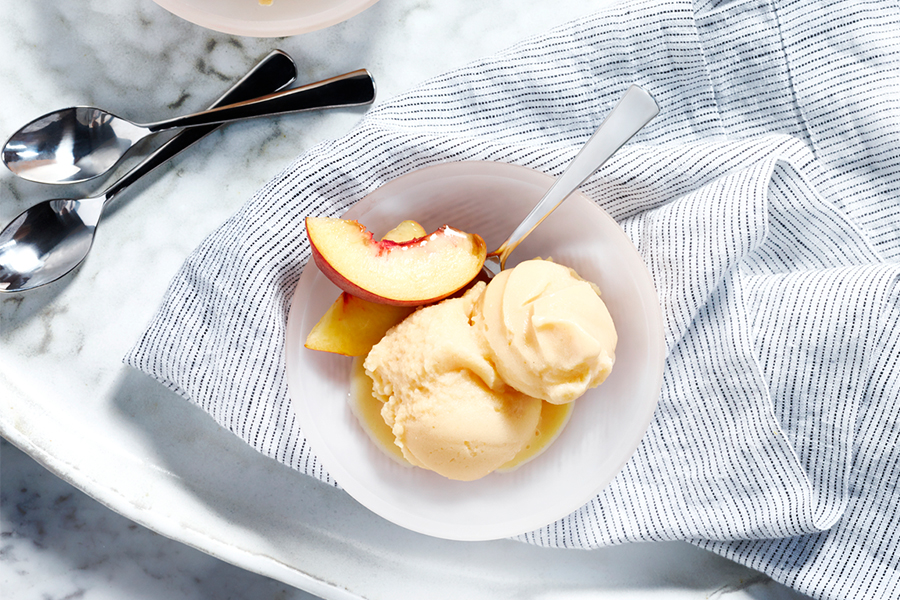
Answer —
765 200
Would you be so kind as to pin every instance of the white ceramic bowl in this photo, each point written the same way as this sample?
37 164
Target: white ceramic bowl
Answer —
607 423
250 18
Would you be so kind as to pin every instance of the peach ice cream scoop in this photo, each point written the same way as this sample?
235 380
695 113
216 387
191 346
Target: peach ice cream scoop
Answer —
550 334
448 409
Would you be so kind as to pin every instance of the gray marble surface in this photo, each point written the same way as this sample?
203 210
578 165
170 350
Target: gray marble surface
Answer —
107 466
57 543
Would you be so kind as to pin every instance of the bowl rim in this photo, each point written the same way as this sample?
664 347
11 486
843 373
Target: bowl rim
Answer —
281 27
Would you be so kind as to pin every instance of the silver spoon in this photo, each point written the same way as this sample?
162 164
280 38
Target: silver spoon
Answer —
634 110
51 238
76 144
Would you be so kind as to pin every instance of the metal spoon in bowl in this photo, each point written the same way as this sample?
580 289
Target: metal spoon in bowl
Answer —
628 116
76 144
51 238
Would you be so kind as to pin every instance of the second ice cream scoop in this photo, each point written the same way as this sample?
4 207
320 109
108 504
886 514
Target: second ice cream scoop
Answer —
549 332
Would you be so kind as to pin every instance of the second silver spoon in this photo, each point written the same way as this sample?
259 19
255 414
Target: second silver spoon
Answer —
76 144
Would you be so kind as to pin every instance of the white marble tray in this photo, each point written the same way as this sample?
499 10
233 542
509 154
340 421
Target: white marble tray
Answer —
66 399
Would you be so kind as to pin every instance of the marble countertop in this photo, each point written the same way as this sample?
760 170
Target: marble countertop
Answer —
62 501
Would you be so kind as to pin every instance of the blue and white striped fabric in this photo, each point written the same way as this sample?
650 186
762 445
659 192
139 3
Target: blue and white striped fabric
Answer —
765 199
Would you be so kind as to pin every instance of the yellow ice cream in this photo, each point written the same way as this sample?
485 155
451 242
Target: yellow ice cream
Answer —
446 406
550 334
463 381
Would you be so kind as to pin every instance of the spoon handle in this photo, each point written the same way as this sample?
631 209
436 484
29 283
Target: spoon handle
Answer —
272 73
350 89
628 116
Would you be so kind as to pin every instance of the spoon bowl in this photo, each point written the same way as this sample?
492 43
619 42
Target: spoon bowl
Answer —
73 145
70 145
46 242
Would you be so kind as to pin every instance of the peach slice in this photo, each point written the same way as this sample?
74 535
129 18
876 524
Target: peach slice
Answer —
411 273
405 231
351 326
